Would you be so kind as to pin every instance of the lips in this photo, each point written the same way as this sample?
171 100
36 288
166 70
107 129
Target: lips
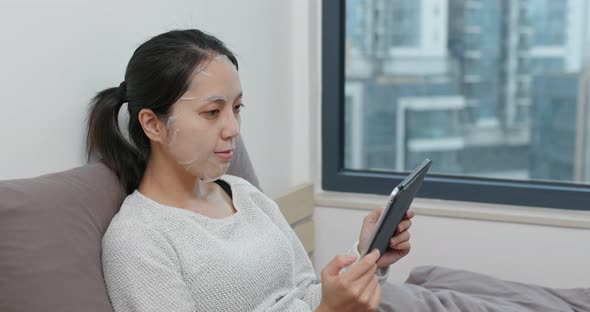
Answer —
227 154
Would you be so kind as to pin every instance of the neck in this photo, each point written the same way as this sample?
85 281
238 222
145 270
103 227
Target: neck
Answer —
170 184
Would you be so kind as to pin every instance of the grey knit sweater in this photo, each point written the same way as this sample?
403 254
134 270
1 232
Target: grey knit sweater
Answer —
162 258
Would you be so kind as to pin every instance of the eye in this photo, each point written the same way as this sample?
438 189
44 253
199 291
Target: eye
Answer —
238 108
212 113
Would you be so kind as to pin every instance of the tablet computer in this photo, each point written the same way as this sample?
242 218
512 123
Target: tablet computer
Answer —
398 203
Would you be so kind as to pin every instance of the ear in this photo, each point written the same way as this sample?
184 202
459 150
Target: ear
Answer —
152 126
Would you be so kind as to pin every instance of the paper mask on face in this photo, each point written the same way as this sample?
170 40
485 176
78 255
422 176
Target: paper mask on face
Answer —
201 143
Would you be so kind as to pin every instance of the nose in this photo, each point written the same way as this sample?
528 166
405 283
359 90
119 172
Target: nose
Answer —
231 126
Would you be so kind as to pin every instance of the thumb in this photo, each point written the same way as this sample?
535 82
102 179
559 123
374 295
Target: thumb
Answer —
338 263
375 214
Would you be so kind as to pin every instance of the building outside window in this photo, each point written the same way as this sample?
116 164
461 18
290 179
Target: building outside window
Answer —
492 90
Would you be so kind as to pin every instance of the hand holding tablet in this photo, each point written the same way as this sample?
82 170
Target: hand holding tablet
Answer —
395 209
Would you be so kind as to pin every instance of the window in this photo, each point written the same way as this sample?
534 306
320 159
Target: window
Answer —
549 21
500 121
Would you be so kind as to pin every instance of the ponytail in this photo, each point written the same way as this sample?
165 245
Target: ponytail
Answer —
105 138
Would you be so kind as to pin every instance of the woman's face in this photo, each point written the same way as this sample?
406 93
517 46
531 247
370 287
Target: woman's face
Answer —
204 125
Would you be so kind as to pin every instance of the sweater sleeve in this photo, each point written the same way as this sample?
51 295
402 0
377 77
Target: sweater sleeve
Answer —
304 277
142 272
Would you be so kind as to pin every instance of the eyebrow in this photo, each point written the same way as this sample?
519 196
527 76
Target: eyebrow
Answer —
216 98
223 98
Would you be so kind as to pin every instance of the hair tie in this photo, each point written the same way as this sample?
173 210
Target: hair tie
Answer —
122 92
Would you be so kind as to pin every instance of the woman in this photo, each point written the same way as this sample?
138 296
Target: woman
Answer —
188 237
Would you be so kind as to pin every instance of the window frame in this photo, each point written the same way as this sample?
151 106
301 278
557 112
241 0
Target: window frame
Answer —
335 177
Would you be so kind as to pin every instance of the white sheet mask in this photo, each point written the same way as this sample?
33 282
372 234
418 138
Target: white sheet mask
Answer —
199 161
202 70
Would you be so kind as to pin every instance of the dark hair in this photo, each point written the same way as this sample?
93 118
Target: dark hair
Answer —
157 75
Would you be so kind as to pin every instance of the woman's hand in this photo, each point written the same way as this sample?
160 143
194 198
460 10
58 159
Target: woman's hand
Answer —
356 289
399 245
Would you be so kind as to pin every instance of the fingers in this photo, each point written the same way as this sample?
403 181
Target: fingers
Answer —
374 215
369 291
366 264
376 299
404 225
338 263
409 214
403 248
365 281
400 238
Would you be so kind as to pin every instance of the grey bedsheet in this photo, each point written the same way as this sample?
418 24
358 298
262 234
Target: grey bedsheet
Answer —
439 289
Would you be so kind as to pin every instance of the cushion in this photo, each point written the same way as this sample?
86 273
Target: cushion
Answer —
50 237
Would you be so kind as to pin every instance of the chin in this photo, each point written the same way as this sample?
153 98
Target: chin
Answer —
221 171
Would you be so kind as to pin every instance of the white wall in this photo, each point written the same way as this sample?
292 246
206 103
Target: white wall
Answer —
56 55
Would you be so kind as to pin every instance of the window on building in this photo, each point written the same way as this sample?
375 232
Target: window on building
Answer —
496 105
